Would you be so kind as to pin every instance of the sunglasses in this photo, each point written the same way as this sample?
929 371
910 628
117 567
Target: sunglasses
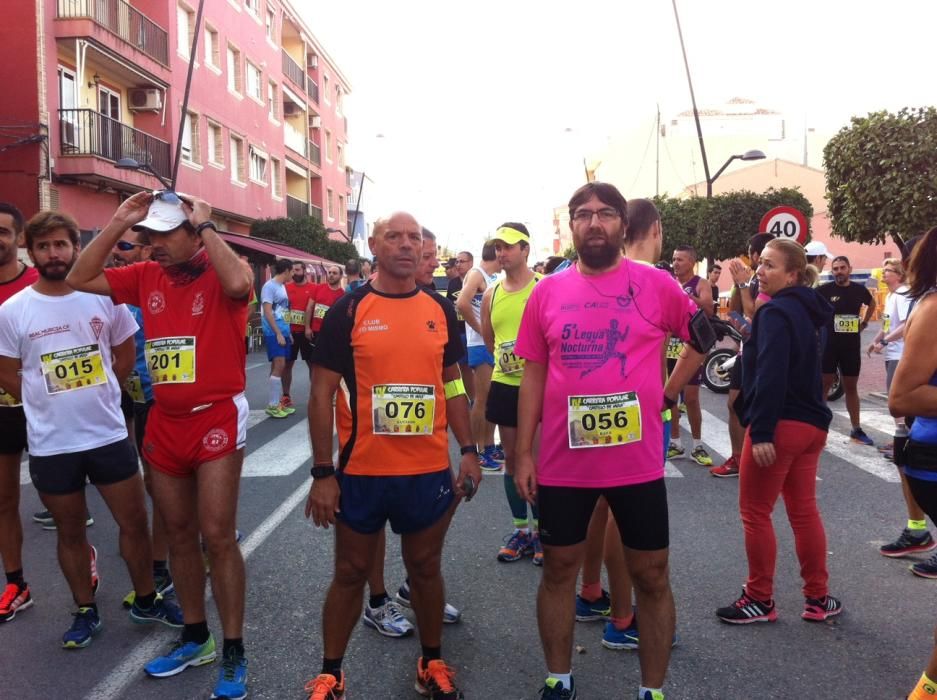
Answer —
167 196
127 245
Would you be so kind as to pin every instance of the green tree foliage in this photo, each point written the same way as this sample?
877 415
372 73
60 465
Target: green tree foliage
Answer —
306 234
720 227
880 176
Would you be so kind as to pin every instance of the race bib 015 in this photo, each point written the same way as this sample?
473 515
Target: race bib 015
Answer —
74 368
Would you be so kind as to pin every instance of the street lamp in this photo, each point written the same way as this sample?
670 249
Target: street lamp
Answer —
748 155
338 230
134 164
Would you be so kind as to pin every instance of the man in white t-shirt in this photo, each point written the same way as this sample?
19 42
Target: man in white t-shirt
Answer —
65 354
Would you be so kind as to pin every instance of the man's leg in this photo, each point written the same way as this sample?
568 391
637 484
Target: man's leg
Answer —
851 385
468 379
287 376
482 430
736 431
125 501
376 584
694 412
11 528
275 390
619 578
70 512
651 576
556 610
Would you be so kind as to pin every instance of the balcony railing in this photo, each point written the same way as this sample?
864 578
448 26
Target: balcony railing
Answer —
122 19
294 140
316 212
84 132
296 208
312 89
315 153
294 71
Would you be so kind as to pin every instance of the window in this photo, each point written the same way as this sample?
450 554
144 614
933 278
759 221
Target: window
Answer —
215 144
328 145
340 155
212 50
237 159
325 88
341 208
235 79
276 184
339 95
258 165
253 6
254 83
272 100
330 204
271 24
185 30
190 152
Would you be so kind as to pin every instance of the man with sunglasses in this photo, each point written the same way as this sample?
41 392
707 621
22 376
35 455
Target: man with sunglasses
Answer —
194 296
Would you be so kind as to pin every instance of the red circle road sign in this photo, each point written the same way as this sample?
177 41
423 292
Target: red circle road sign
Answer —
785 222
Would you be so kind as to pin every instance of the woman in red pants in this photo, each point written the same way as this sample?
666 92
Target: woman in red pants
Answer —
787 422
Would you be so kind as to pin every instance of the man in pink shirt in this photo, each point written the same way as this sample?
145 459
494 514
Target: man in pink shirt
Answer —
592 336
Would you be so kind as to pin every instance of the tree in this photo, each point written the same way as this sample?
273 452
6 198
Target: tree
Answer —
306 233
880 177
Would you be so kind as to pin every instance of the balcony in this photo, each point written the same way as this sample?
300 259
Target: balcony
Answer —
316 212
296 208
85 132
294 71
315 153
123 20
312 89
294 140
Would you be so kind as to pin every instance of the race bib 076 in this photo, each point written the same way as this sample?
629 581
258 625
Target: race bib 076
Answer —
605 420
74 368
846 323
403 410
171 360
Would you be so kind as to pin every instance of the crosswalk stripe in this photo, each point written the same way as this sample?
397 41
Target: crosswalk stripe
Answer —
280 456
877 420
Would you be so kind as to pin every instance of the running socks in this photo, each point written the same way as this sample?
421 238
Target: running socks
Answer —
333 667
925 689
565 678
517 504
16 577
235 644
376 601
145 602
622 623
650 693
918 525
591 592
431 654
196 632
276 391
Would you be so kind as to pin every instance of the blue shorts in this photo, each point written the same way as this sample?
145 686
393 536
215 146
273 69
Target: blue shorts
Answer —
410 503
274 349
479 355
464 359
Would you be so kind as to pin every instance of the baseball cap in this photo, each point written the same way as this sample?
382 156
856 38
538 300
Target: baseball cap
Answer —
817 248
165 214
510 235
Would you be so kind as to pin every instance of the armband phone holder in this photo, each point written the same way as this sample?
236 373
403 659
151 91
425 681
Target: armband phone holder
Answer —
702 333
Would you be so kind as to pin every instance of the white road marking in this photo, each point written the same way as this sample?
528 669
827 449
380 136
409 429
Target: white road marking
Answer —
868 459
24 472
280 456
882 422
671 471
255 365
257 415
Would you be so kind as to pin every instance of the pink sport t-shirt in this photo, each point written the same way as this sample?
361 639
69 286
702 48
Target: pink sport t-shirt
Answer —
601 338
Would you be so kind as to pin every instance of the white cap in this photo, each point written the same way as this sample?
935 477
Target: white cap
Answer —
162 216
816 248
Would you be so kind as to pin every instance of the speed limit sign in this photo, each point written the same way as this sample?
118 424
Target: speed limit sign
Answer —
785 222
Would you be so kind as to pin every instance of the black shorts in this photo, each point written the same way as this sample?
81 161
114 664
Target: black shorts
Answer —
501 408
845 355
695 380
66 473
410 503
735 375
640 511
141 411
300 346
126 405
12 430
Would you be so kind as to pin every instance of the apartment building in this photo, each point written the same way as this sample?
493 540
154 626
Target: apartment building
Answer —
93 81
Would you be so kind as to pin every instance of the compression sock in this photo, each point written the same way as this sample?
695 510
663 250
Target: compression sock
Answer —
196 632
16 577
235 644
160 568
697 442
333 666
93 606
565 678
917 524
276 391
591 592
376 601
517 504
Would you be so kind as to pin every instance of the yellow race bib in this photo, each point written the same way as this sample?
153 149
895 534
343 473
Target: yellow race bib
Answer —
846 323
171 360
74 368
135 387
320 311
674 349
8 400
296 318
403 410
886 323
605 420
508 362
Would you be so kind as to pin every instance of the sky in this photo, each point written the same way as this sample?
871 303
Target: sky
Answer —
471 114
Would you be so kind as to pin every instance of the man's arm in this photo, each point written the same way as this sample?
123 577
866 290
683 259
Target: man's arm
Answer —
470 287
10 380
310 309
487 331
869 311
234 275
704 297
529 407
911 391
688 365
324 493
125 357
272 321
457 413
87 274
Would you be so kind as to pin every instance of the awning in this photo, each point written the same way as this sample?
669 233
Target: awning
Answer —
277 250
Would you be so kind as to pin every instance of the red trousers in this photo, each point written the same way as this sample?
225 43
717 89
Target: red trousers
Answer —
793 475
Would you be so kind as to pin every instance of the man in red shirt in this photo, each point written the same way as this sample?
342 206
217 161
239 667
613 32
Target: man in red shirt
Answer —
321 300
300 291
14 276
194 295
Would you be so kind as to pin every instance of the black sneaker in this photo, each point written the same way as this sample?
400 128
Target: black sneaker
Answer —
908 543
557 691
926 569
819 609
746 610
44 518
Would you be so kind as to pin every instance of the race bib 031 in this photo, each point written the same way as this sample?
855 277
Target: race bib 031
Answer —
846 323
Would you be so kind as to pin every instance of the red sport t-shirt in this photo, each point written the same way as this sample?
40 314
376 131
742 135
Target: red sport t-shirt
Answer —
299 295
194 331
18 283
325 298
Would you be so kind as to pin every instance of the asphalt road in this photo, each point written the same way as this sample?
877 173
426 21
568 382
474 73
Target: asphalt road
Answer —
874 650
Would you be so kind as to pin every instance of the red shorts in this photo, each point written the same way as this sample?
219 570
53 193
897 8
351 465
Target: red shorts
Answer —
178 444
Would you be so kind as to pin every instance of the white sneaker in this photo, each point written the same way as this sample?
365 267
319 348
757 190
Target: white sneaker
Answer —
450 613
387 619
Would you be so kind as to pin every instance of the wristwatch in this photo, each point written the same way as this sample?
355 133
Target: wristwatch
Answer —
204 225
469 449
883 342
322 471
744 285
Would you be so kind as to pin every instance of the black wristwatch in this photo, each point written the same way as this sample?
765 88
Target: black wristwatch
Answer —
322 471
469 449
669 402
883 342
204 225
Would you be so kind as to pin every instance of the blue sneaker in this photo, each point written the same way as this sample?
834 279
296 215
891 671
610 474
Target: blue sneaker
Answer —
594 611
180 657
85 625
232 677
516 546
858 435
615 638
164 610
488 463
555 690
496 452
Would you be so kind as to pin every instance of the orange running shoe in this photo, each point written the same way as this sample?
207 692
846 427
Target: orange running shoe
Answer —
325 686
13 599
436 680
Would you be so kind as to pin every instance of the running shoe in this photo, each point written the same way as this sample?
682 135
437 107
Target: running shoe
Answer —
538 550
884 449
180 657
85 625
276 412
701 456
909 543
325 686
726 470
436 680
819 609
488 463
747 610
926 569
858 435
516 546
593 611
498 453
164 610
387 619
450 613
44 518
286 401
675 451
14 599
555 690
232 677
614 638
287 409
650 695
95 579
164 587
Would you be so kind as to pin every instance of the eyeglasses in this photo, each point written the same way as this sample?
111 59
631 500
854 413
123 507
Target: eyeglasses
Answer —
584 216
889 269
127 245
462 262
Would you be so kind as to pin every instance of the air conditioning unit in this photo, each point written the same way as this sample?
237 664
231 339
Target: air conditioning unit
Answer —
146 100
315 122
312 60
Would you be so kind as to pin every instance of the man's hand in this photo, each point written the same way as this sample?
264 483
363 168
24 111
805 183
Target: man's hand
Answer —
740 272
198 210
281 339
764 454
874 347
468 466
133 210
309 334
525 477
322 503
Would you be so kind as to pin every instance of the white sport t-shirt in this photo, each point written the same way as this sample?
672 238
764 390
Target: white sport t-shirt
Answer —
70 393
897 308
473 339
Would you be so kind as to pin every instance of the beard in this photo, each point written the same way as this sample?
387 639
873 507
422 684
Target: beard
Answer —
299 279
57 271
600 253
7 254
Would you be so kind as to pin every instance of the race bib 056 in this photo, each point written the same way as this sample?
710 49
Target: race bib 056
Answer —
604 421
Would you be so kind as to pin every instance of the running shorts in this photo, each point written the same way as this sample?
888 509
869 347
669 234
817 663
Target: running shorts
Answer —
141 412
178 444
847 356
501 408
12 430
479 355
301 346
410 503
66 473
274 349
